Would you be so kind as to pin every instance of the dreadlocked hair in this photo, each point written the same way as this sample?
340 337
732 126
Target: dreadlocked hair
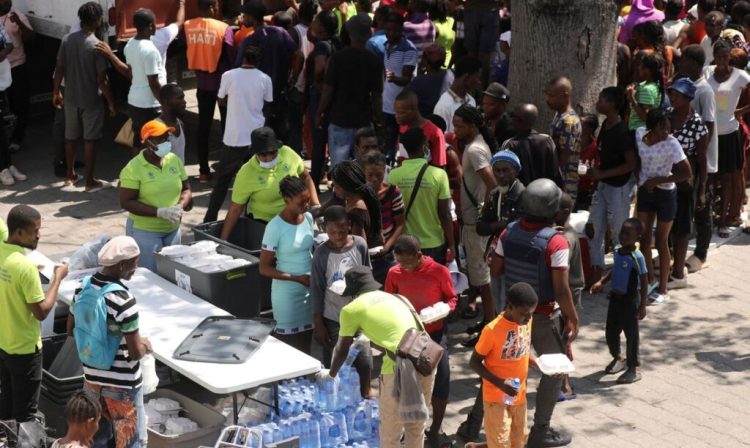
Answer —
291 186
349 176
654 63
471 114
82 407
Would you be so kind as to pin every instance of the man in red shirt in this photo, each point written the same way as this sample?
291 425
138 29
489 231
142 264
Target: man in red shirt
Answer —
408 116
425 282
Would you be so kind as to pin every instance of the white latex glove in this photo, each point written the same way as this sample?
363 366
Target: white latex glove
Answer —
171 214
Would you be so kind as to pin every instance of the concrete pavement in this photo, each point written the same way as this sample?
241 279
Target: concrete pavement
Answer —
695 349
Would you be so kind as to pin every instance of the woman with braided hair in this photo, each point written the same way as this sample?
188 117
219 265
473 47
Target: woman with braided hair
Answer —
363 210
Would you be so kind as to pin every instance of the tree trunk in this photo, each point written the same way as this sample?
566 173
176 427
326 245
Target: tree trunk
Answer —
571 38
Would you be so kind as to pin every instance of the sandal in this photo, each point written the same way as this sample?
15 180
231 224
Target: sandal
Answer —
439 440
102 185
695 264
72 182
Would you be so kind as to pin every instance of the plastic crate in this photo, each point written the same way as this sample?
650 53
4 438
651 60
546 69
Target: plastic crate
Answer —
210 424
247 236
234 291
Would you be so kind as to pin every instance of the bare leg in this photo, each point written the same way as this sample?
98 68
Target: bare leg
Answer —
662 246
727 193
70 159
438 413
647 219
488 305
680 246
89 154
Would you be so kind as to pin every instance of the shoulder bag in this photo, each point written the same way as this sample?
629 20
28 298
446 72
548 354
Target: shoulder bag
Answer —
417 346
414 190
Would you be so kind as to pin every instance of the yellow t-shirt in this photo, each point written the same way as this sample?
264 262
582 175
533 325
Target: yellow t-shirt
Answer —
380 316
20 332
157 187
258 187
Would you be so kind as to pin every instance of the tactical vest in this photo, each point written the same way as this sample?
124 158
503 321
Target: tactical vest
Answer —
524 252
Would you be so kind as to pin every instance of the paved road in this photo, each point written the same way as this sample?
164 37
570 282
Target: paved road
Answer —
695 349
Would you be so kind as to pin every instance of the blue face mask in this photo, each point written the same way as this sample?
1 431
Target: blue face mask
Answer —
162 149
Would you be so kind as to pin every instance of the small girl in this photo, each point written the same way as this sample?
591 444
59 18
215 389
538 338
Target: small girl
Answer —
82 413
649 93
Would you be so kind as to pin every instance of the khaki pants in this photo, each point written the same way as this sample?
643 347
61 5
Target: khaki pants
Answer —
505 425
391 426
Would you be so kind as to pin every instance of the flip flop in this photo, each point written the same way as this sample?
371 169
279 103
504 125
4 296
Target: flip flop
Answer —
70 183
103 185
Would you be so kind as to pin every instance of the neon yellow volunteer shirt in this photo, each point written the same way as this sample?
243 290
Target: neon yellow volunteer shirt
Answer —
381 317
20 332
260 186
157 187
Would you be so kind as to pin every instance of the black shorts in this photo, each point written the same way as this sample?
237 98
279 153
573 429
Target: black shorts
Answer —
683 221
730 153
442 388
661 202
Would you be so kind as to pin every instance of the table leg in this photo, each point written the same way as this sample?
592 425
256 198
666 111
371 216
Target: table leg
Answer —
276 398
236 411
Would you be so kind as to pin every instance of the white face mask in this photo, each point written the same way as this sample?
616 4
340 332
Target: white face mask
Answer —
162 149
268 165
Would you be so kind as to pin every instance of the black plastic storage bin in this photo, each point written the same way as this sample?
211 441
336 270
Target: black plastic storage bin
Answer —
234 291
247 236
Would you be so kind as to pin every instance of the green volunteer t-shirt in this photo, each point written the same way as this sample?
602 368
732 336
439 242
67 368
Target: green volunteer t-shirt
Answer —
646 94
380 316
20 332
258 187
157 187
423 221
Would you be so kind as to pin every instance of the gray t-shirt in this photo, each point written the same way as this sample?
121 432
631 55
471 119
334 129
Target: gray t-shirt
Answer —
83 64
330 266
576 278
476 157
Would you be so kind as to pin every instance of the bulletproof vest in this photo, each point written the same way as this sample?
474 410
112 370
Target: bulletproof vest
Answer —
524 253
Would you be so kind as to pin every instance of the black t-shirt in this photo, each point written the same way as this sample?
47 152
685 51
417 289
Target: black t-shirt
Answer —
613 143
323 48
356 76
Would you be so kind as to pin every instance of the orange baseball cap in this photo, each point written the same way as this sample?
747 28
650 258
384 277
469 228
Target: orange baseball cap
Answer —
154 128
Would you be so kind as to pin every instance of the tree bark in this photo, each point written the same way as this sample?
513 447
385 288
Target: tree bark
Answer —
571 38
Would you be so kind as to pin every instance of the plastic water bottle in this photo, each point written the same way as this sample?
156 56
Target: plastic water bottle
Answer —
330 394
267 434
345 393
314 428
352 355
515 384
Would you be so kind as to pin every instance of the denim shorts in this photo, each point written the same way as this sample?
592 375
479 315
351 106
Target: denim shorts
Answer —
659 201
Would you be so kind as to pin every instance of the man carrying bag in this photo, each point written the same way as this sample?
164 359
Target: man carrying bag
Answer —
408 371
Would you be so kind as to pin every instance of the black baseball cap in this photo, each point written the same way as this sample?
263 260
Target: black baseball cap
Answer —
360 280
499 91
263 141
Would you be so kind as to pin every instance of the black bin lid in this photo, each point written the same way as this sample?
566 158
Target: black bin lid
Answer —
225 340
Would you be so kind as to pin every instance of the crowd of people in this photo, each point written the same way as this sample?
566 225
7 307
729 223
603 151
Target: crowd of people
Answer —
403 111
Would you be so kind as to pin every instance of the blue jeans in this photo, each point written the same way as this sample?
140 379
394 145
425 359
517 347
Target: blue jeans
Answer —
610 205
340 143
151 242
121 410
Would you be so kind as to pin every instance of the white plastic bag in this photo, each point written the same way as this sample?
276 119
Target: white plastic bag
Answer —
148 372
87 256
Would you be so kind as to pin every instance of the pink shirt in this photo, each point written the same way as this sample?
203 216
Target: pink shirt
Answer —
13 35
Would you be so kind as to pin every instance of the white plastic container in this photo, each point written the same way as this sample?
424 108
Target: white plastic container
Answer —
555 364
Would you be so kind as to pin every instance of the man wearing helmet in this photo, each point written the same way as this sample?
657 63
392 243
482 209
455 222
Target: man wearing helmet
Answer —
531 250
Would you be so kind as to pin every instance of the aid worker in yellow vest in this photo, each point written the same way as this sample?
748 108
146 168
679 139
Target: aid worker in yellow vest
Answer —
210 52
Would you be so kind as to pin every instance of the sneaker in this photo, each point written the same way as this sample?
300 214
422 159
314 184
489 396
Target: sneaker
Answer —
468 431
438 440
6 178
17 175
677 283
629 377
471 341
656 298
617 365
549 438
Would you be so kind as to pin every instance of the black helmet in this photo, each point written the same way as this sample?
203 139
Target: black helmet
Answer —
541 199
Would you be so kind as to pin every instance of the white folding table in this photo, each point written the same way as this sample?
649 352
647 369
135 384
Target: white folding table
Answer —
167 314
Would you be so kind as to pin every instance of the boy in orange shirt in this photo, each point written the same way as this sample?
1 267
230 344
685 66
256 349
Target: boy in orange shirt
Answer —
501 358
